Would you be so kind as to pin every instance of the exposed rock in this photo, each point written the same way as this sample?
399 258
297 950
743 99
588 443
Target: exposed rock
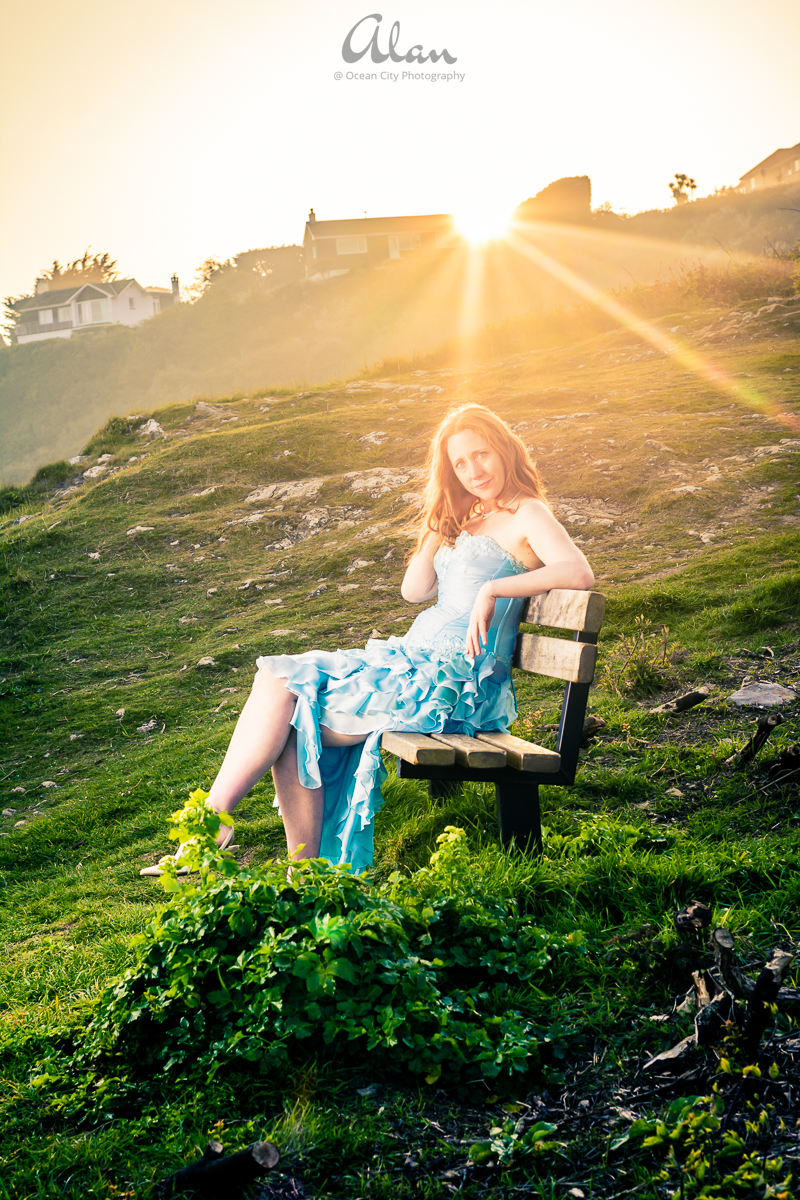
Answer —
120 713
18 791
207 661
282 632
209 410
348 587
140 529
212 592
9 812
48 783
187 620
376 438
75 737
151 429
95 471
762 695
359 563
293 489
209 491
250 519
379 481
19 824
148 726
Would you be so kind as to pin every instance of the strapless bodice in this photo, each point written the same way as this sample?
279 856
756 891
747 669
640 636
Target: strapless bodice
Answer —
462 570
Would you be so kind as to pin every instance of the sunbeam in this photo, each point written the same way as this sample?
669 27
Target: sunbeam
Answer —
688 356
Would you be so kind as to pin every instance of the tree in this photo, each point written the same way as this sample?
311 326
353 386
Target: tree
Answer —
682 188
91 268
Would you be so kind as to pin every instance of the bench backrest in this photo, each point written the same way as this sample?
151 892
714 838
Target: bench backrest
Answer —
573 661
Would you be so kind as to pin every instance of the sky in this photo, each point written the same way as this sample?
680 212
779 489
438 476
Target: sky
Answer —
168 131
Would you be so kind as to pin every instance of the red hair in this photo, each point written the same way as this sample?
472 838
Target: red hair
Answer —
447 504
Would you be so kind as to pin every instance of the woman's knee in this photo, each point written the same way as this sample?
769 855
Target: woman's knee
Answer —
266 684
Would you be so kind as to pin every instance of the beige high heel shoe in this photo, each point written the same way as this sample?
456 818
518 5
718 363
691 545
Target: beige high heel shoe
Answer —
156 870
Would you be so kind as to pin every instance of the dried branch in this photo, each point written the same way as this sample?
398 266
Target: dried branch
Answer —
682 703
737 983
764 728
222 1177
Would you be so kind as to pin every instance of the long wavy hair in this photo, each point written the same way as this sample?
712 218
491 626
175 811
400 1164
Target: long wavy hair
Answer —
447 504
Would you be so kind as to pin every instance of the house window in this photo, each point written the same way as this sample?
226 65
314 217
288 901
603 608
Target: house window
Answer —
753 182
156 306
351 245
131 302
313 251
45 316
65 314
402 241
797 164
90 312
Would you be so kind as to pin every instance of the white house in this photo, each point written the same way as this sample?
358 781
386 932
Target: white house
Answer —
68 310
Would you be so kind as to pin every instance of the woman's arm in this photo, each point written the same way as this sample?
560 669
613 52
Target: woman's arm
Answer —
564 566
420 582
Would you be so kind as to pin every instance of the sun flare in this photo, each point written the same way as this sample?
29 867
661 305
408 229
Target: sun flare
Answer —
480 223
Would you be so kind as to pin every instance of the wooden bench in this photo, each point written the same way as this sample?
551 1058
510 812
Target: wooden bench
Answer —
514 766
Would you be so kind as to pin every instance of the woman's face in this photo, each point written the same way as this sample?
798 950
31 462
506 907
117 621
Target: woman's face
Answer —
477 466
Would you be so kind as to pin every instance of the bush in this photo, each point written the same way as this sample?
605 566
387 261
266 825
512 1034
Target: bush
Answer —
52 475
251 967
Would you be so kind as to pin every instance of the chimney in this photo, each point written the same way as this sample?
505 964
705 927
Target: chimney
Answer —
176 293
42 285
312 216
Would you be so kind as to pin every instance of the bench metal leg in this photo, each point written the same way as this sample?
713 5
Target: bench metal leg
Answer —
444 789
519 817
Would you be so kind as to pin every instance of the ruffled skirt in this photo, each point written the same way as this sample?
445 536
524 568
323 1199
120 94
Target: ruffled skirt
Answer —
387 685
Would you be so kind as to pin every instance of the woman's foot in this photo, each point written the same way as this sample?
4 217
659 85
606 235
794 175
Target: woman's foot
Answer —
226 833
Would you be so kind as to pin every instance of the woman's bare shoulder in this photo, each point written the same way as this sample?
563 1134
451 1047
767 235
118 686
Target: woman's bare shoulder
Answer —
531 509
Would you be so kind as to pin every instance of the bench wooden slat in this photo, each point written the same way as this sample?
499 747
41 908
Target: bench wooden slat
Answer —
556 657
470 753
417 748
566 609
525 756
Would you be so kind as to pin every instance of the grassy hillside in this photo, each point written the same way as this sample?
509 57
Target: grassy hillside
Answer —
281 521
246 334
766 222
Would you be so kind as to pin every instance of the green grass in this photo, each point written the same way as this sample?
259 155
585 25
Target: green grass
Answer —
84 638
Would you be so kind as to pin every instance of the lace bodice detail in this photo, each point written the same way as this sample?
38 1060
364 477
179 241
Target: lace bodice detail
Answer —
461 570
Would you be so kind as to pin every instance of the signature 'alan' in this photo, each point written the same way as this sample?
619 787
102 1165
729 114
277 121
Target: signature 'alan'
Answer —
415 54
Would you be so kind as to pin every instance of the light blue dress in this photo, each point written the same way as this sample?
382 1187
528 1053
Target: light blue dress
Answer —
421 682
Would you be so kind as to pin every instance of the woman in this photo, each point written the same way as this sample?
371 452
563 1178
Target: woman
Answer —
487 541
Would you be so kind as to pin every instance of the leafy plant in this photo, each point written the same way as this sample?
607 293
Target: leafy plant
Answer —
639 668
513 1140
694 1138
257 968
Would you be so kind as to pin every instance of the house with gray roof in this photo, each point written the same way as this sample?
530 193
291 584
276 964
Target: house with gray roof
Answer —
335 247
782 166
67 310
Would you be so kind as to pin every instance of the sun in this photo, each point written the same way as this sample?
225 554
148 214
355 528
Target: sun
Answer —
480 221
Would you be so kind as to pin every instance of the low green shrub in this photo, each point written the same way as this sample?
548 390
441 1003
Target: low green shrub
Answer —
52 474
252 967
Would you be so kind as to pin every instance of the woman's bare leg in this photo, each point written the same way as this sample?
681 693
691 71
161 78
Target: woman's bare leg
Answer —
257 742
302 807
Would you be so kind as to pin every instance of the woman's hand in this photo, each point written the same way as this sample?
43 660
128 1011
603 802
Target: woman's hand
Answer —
480 620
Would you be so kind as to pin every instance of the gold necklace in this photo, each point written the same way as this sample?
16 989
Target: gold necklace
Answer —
483 516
